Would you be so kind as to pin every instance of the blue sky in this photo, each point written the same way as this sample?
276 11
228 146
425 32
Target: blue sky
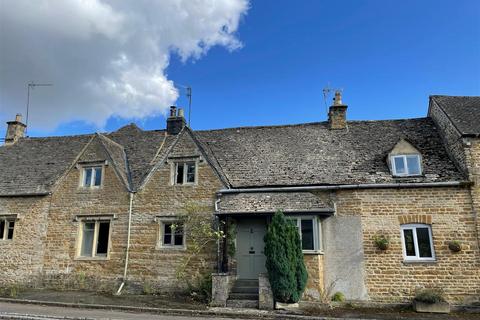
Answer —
387 56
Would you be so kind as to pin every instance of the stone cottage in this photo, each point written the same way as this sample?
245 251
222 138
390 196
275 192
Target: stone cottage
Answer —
104 211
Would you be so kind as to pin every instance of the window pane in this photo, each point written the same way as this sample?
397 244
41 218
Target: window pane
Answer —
167 234
413 164
399 165
11 225
87 177
2 228
191 172
307 234
87 239
409 246
179 173
423 239
98 176
102 242
178 239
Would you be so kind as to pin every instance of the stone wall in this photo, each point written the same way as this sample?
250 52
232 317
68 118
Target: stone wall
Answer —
62 268
388 277
21 259
450 135
315 283
149 263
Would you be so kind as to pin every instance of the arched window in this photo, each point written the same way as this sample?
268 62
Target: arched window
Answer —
417 242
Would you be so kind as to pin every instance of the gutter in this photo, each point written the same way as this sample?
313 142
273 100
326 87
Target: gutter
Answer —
347 187
128 245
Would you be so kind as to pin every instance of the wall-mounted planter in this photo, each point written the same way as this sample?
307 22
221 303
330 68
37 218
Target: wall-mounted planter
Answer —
382 242
455 246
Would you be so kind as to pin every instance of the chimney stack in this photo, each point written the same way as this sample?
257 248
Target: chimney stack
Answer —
15 130
175 122
337 115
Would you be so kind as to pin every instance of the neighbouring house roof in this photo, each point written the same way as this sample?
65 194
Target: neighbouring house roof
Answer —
312 154
293 155
464 112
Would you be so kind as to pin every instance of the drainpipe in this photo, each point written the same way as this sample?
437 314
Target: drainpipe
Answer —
128 244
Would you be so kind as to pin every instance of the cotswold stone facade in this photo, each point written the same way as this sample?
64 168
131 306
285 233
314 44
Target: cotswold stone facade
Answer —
104 211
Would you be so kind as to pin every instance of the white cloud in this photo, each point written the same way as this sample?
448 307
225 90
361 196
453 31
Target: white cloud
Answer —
105 58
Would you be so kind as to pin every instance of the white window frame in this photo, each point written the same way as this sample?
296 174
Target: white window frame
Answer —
317 232
413 227
94 255
175 172
404 158
6 226
92 178
161 233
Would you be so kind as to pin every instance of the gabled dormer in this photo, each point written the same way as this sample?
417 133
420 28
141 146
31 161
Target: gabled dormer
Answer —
404 160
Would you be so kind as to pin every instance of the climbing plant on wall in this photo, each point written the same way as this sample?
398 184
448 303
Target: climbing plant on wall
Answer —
285 265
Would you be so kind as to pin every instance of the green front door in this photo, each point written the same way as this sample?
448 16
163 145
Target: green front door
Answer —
250 248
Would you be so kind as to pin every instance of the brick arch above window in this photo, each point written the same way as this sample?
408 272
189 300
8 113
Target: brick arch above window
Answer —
415 218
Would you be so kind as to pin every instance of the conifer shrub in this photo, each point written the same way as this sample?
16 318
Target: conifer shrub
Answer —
285 266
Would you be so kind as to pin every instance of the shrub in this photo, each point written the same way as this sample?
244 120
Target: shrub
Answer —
429 296
338 297
285 266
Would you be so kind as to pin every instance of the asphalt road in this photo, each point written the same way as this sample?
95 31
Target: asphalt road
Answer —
49 312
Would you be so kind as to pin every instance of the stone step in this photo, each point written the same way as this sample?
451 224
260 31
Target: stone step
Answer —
253 304
245 290
243 296
246 283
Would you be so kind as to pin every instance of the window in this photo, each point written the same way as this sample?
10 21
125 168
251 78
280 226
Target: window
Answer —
406 165
95 237
92 177
417 242
172 234
6 229
310 232
185 173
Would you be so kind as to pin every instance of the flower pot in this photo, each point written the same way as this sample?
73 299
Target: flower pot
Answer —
455 246
382 245
438 307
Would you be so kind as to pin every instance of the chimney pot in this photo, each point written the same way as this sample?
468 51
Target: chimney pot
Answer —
181 112
15 130
173 111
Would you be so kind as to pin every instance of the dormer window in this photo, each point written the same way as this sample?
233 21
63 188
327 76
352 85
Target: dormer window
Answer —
185 173
406 165
92 177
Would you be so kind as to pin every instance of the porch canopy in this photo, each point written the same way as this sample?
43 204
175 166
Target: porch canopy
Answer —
267 203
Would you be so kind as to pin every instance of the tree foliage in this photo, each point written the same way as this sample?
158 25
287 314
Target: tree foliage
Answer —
285 266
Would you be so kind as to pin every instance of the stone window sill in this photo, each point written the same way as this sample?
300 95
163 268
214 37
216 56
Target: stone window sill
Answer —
92 258
171 248
312 252
417 262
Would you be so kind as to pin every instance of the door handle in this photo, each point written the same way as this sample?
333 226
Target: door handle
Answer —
251 251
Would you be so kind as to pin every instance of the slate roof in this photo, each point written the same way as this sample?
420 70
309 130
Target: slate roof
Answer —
464 112
292 155
268 202
312 154
33 165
